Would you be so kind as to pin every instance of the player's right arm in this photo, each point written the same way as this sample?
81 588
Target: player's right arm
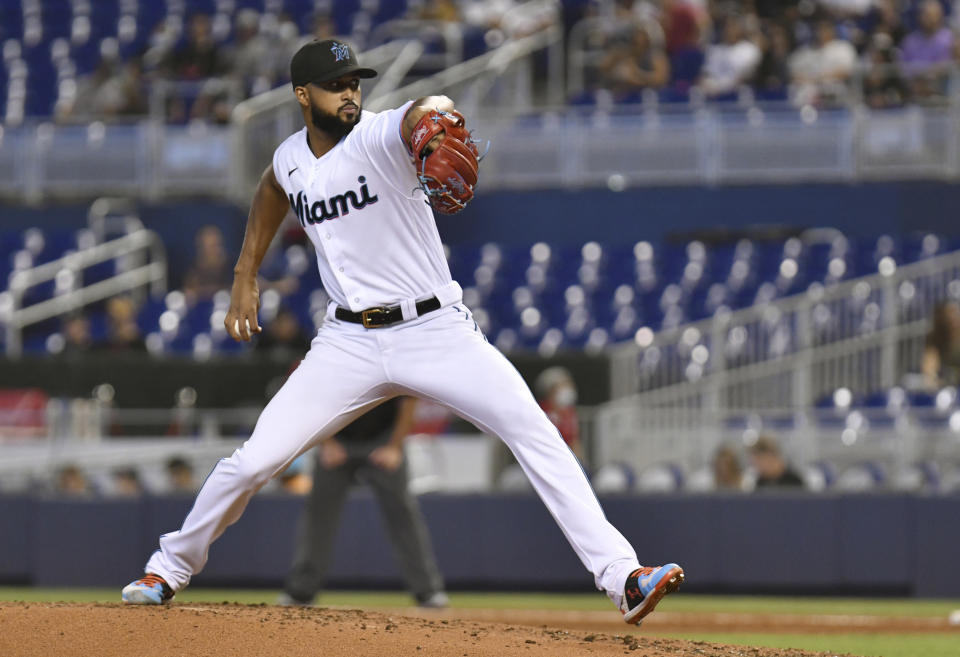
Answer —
267 211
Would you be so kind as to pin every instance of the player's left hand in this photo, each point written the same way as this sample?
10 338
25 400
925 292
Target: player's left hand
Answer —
241 320
446 158
387 457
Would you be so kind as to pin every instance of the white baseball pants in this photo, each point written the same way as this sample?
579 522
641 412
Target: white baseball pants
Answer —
441 356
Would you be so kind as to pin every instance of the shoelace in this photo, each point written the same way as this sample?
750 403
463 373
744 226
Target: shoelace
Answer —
152 580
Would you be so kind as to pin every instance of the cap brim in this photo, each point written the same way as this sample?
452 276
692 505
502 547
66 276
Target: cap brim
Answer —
357 72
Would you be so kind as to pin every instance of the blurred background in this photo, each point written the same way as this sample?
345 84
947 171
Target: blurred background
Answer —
716 238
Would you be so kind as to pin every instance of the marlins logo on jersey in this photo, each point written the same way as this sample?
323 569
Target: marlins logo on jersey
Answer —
333 207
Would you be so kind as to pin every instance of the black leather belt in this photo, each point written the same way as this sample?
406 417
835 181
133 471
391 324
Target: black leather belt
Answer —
381 316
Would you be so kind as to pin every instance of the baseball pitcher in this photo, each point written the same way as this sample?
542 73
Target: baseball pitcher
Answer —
362 185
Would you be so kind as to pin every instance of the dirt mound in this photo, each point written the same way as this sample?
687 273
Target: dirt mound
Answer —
232 630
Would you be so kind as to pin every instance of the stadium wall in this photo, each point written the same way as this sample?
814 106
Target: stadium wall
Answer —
872 544
142 381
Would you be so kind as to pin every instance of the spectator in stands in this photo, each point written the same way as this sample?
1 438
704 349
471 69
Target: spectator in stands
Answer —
200 57
115 88
76 335
887 19
727 470
322 26
283 338
123 334
202 61
847 8
252 61
557 396
730 63
287 259
821 72
72 482
210 272
771 468
682 32
438 10
779 10
883 85
180 476
772 78
126 483
941 353
926 52
629 68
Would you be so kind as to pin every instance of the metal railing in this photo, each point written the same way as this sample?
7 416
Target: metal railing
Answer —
144 264
862 333
472 82
405 30
685 390
539 141
829 442
25 465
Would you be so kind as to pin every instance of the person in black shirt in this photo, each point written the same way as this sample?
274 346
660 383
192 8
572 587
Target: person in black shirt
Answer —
283 338
369 450
772 469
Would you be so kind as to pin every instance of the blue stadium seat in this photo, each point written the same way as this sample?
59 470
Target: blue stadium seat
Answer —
389 10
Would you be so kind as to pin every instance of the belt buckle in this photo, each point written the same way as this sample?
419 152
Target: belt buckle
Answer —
369 315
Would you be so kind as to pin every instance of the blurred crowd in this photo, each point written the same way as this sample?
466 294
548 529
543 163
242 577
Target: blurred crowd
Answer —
206 63
177 477
885 53
206 73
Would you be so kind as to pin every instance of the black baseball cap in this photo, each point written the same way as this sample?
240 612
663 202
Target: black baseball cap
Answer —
321 61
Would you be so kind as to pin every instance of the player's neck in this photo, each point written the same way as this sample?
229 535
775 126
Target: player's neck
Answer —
320 141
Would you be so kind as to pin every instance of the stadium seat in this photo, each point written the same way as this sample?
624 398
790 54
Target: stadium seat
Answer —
861 478
614 478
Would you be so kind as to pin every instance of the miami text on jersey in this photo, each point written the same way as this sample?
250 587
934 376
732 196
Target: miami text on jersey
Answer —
331 208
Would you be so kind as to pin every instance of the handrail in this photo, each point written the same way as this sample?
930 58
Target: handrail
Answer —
38 312
403 29
624 357
107 212
94 255
494 61
793 302
153 273
577 51
391 78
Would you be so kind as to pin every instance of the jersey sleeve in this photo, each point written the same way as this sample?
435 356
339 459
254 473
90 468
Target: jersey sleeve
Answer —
382 143
280 158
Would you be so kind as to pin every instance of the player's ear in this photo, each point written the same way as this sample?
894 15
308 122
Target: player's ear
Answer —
302 97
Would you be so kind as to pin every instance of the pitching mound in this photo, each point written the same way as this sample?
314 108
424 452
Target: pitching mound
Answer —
231 630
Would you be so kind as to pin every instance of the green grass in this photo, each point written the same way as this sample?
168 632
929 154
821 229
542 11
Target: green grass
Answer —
867 645
575 601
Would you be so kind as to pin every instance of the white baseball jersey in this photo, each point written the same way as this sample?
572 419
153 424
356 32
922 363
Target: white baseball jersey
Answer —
375 235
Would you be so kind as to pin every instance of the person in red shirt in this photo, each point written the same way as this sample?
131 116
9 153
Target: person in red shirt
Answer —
557 396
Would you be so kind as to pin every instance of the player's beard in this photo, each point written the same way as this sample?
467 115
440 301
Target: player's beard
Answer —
332 124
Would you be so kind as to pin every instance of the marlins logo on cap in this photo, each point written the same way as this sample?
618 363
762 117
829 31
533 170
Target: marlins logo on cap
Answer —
322 61
340 50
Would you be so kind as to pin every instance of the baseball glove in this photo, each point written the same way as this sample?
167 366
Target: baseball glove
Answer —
447 174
